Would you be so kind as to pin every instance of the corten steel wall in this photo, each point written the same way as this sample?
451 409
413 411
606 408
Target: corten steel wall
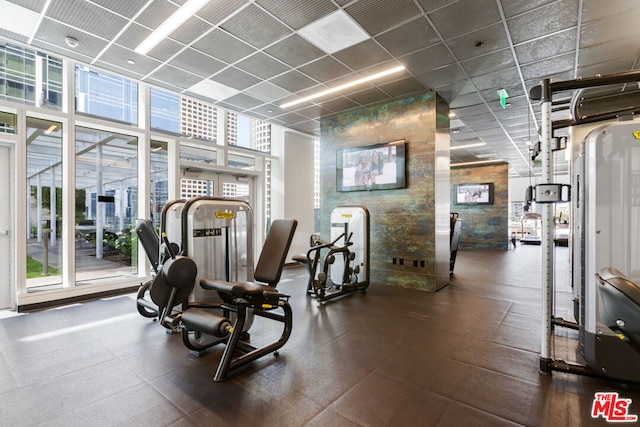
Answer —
484 226
403 221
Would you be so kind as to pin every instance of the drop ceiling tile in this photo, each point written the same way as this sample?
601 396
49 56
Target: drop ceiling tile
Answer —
156 13
191 30
268 92
118 55
480 42
432 5
465 100
494 61
268 110
427 60
621 50
529 26
197 63
516 7
166 49
539 49
610 29
262 65
376 16
403 86
363 55
223 46
294 51
256 27
412 36
325 69
175 76
542 69
50 37
235 78
310 126
339 104
87 17
314 111
442 76
368 96
291 118
465 14
216 12
128 8
596 10
243 101
297 13
293 81
497 79
133 36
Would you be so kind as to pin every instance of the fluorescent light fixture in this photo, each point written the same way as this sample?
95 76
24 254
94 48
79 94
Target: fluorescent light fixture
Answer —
343 86
453 165
178 18
18 19
459 147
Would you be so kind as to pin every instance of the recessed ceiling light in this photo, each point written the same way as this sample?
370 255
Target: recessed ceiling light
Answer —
72 42
178 18
131 61
343 86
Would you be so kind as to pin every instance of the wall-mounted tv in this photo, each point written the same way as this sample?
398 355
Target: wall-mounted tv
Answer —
473 194
371 167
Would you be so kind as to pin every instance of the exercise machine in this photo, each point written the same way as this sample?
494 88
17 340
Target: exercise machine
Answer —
340 266
216 233
455 225
203 328
605 239
157 252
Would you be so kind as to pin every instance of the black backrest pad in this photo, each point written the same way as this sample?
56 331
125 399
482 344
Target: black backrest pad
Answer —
274 251
150 241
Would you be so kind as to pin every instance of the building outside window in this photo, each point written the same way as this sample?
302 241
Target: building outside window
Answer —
105 95
30 77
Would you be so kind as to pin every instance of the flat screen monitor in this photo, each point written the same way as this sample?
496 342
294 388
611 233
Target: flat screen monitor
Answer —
372 167
473 194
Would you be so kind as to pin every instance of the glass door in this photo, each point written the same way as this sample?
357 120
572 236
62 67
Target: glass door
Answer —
6 264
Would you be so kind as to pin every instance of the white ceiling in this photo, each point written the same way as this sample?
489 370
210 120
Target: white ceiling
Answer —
257 54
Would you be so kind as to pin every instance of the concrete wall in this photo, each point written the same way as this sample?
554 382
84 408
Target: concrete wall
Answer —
484 226
409 224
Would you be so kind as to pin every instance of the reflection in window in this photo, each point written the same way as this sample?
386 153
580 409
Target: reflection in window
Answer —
165 111
30 77
245 132
7 123
159 180
44 193
106 204
240 161
106 95
191 153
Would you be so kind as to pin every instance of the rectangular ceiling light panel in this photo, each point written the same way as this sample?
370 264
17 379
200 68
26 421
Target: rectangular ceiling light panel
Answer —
334 32
18 19
213 90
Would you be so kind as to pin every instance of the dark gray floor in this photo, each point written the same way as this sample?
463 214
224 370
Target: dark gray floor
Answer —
466 355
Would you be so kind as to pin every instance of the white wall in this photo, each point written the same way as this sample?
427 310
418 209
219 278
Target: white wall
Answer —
292 184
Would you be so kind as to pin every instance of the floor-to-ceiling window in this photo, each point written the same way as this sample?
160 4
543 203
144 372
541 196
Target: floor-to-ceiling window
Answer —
106 204
44 203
